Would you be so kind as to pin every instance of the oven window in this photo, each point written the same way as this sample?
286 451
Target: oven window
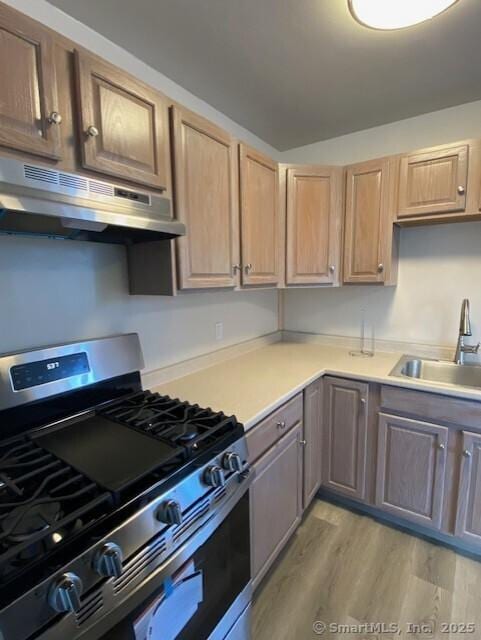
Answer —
191 602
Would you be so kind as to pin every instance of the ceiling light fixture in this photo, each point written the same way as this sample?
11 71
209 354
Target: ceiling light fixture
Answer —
396 14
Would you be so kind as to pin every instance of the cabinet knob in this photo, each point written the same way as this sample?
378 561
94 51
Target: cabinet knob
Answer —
441 446
363 402
467 453
248 267
303 443
380 267
92 132
281 425
235 268
332 268
54 118
460 190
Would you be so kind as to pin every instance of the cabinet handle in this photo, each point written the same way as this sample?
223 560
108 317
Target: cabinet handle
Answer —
467 453
303 443
363 403
441 446
235 268
248 267
92 132
380 267
54 118
461 190
281 425
332 268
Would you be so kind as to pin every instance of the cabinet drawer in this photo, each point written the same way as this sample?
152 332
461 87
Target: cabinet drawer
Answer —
261 437
432 407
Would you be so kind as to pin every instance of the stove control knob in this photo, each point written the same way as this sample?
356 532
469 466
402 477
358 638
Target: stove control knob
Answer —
170 512
108 561
64 594
214 476
232 462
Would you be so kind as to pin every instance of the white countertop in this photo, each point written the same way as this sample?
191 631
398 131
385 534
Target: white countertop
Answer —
252 385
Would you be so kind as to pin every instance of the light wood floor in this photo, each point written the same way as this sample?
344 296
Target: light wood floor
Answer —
345 568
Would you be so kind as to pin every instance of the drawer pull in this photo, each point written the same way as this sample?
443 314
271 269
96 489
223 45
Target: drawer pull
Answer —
281 425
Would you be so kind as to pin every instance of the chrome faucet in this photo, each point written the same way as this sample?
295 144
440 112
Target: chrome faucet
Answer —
464 330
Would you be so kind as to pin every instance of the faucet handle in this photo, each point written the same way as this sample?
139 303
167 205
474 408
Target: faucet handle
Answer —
471 348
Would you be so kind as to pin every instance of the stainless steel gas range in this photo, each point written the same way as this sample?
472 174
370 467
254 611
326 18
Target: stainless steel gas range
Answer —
124 514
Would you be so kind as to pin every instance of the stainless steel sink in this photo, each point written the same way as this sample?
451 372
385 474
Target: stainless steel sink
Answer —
438 371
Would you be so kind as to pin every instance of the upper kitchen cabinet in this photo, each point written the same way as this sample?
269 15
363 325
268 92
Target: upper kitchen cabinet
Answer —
259 203
370 242
206 200
433 181
314 225
29 118
123 124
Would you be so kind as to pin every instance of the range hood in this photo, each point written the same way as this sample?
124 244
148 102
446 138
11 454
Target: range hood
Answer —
35 199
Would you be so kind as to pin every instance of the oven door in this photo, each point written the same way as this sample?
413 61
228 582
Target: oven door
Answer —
201 593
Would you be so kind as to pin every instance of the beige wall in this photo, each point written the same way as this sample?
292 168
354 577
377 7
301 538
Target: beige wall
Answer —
447 125
55 291
439 265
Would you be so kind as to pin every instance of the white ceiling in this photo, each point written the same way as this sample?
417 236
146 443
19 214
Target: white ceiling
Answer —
297 71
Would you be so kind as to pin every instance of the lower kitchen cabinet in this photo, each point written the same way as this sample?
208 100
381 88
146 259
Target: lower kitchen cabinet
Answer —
345 437
276 500
411 469
312 440
468 515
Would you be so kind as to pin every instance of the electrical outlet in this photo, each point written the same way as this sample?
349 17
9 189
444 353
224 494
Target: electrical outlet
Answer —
219 330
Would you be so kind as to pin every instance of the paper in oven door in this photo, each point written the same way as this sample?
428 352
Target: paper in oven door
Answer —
168 615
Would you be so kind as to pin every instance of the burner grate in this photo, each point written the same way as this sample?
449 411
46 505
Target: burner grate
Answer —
171 420
42 501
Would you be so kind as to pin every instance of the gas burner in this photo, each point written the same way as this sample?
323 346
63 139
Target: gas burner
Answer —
26 520
183 434
42 502
171 420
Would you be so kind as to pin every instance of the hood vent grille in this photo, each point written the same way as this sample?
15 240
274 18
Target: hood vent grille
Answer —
73 182
39 174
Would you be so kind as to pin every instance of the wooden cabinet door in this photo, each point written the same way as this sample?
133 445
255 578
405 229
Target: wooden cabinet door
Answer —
312 440
206 201
259 199
276 501
345 437
368 222
468 515
314 212
28 86
433 182
411 469
123 124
